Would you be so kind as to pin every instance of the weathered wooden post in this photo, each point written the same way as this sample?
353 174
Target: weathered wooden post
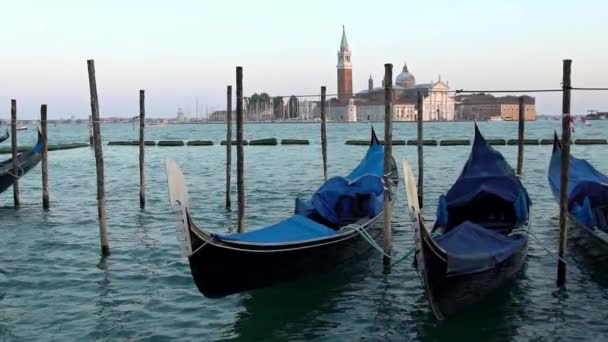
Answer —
142 125
323 133
14 153
91 130
44 161
563 198
419 119
388 162
240 182
101 208
228 142
520 137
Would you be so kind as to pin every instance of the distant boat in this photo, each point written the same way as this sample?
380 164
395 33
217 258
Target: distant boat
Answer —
157 125
22 128
496 118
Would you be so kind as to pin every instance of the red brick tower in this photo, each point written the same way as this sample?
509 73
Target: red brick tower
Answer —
345 71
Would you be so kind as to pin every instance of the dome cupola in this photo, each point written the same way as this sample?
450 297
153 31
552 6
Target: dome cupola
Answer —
405 79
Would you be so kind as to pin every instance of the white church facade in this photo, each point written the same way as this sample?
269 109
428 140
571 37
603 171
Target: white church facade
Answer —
368 104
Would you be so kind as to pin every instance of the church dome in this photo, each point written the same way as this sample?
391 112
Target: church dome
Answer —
405 79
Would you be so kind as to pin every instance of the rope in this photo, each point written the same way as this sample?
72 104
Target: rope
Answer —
582 88
19 169
556 257
509 91
367 238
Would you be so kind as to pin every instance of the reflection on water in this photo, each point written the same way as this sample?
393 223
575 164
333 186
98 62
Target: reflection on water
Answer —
54 287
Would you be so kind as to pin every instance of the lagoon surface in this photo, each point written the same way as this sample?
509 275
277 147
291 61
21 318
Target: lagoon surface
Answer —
54 286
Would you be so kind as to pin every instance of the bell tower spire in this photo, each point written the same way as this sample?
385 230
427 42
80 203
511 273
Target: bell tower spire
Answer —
345 73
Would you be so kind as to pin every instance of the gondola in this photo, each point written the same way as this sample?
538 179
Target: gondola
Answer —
587 195
326 231
25 162
480 236
4 136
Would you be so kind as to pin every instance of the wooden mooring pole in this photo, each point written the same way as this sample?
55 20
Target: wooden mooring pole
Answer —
563 196
240 182
228 142
91 130
14 153
142 125
44 161
323 133
101 208
520 136
420 144
388 163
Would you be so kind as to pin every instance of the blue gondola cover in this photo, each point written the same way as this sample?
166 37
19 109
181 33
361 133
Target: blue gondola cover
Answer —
358 195
584 183
472 248
485 175
295 228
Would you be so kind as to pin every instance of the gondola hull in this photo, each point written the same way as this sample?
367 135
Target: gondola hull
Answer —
25 162
584 182
220 268
315 239
451 294
596 236
4 136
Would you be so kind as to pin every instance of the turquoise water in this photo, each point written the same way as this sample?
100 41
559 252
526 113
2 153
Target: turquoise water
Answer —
54 286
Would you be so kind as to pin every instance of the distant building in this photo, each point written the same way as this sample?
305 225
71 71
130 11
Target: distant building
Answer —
218 115
368 104
180 117
486 106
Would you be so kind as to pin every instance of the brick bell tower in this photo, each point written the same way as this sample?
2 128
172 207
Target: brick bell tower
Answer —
345 71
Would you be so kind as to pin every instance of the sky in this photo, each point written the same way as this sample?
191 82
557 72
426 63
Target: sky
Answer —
181 50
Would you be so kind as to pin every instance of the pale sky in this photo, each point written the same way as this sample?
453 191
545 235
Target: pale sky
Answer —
180 50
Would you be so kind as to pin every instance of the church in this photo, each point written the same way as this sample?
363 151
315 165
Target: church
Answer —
368 104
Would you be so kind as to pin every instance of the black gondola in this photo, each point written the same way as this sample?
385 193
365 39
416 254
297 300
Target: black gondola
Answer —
480 237
587 195
26 161
325 232
4 136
